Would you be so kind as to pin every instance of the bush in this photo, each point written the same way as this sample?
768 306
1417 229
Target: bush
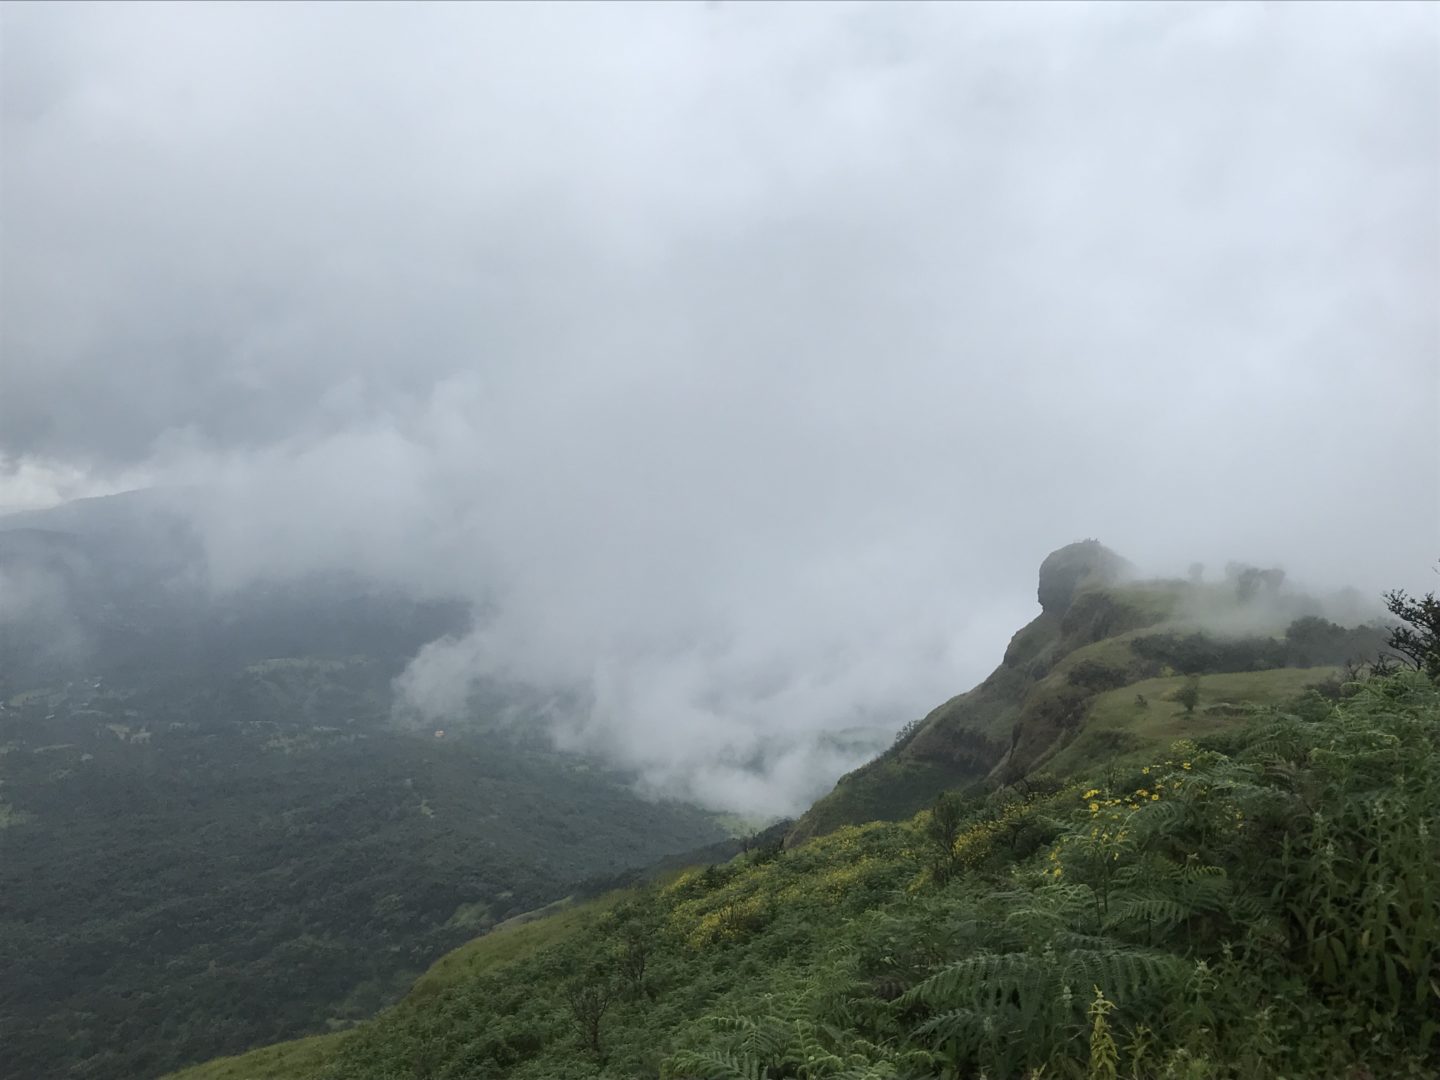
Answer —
1189 694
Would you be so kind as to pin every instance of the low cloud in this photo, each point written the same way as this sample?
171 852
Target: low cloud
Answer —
740 362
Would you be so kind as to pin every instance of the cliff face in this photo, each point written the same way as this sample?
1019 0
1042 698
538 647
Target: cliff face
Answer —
1005 724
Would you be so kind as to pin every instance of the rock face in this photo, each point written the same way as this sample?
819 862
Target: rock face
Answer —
1066 569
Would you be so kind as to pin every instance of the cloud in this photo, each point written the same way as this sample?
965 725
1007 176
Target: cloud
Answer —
744 359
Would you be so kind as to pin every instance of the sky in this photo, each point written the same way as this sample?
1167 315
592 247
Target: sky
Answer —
746 359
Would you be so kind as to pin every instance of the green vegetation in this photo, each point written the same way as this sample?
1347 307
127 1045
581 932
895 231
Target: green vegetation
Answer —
1095 635
512 940
1263 902
1176 833
1118 728
880 791
286 1061
1417 638
197 868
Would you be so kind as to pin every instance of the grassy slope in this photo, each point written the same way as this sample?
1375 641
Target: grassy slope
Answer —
1052 703
854 917
294 1060
511 941
1118 730
960 742
507 943
883 791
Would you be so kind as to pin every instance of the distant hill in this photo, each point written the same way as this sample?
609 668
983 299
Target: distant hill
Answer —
1066 692
105 586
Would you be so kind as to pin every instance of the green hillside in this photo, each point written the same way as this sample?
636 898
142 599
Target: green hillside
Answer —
507 943
1097 634
1174 834
1264 902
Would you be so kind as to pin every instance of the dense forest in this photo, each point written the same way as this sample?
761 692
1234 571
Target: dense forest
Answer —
186 875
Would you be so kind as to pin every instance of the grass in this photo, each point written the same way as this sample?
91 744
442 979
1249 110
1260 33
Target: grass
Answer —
1153 601
885 791
512 940
1118 727
1112 651
297 1059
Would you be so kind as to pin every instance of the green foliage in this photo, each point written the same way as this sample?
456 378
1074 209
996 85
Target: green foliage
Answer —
1361 882
942 829
295 1060
1265 908
200 867
1417 639
589 1000
1119 730
883 790
1189 694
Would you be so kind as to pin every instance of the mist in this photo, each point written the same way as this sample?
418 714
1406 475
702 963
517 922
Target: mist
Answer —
739 362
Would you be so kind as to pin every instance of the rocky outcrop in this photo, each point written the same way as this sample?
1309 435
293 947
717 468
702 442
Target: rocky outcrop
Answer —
1065 570
1011 717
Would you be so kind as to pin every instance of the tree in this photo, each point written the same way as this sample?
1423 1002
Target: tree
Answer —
943 829
1189 694
634 953
1248 580
589 1000
1418 640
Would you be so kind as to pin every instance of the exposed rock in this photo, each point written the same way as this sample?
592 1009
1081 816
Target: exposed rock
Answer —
1066 569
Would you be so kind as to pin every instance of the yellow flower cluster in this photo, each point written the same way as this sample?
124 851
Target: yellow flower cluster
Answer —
978 843
727 922
824 872
1098 802
682 882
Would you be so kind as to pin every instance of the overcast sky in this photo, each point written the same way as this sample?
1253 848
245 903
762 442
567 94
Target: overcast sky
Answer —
750 356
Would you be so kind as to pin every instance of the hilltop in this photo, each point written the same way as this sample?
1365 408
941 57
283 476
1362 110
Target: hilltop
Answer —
1094 677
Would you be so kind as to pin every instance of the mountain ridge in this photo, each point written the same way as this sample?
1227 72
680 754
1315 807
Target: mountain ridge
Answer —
1100 628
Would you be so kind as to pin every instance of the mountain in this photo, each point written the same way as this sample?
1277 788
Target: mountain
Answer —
1070 687
213 831
1172 835
109 586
